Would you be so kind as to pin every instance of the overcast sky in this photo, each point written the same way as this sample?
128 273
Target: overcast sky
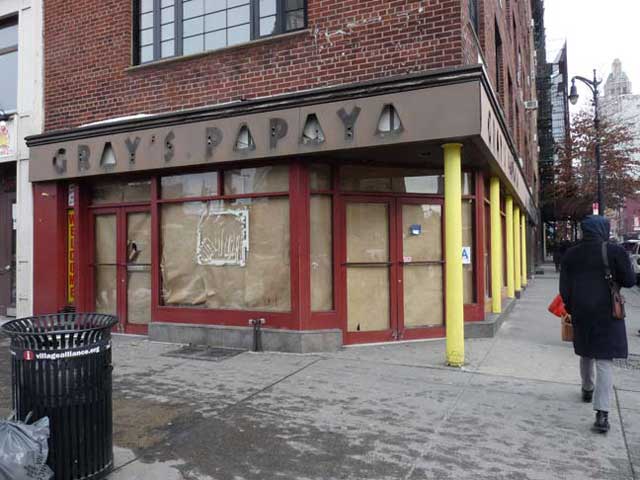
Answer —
597 32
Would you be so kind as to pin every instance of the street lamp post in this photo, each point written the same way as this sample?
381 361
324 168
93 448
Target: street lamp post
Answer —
573 98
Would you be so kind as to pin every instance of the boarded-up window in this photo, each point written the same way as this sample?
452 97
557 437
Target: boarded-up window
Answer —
321 254
256 180
467 241
189 185
207 274
320 177
487 250
105 280
397 180
118 191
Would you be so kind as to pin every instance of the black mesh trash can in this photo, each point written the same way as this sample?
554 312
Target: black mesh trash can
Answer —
61 369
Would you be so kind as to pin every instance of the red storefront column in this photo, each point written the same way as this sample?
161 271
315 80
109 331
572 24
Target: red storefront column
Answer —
300 247
49 248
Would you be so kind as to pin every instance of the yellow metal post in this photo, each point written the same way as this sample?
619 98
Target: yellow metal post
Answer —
517 248
511 289
453 253
523 225
496 246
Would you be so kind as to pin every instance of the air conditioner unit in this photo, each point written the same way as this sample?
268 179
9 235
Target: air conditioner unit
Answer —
531 105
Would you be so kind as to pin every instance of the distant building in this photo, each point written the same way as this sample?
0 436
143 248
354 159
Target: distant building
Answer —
621 105
630 219
617 83
553 125
21 114
560 123
619 102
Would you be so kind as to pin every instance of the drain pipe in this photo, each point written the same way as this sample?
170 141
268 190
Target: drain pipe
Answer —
257 323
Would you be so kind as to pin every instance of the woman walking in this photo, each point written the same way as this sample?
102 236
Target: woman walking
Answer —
598 337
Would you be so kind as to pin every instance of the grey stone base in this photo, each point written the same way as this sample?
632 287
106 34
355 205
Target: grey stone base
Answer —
293 341
489 327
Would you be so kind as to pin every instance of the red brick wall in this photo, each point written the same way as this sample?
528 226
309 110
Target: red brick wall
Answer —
88 54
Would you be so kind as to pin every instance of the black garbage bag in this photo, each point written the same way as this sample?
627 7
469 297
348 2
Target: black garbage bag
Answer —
24 450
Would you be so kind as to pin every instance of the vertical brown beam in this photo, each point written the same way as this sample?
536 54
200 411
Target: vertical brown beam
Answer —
49 241
5 248
156 281
299 208
479 227
83 271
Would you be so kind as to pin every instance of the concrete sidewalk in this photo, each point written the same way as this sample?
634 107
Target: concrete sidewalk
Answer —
378 412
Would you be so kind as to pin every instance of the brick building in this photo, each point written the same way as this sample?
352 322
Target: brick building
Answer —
335 168
621 105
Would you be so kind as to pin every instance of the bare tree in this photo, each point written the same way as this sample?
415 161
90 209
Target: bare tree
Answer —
575 186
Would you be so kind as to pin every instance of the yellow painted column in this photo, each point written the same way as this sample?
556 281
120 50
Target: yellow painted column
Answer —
453 253
511 289
523 225
496 246
517 249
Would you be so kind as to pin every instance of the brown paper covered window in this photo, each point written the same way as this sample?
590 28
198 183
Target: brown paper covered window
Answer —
227 254
468 270
321 254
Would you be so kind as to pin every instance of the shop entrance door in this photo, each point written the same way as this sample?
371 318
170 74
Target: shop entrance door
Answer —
122 265
392 269
8 253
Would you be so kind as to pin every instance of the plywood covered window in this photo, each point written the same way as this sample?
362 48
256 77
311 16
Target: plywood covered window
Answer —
321 225
398 180
120 191
468 269
229 253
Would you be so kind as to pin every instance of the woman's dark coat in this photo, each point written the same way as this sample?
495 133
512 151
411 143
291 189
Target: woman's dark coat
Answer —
596 334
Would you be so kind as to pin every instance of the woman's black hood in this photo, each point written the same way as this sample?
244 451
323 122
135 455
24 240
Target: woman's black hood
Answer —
595 227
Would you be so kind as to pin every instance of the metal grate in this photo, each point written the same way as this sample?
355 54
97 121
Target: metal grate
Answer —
209 354
631 363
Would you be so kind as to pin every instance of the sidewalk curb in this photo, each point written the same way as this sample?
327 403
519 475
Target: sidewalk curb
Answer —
489 328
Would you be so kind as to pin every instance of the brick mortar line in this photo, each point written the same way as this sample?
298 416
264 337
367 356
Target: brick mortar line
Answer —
255 394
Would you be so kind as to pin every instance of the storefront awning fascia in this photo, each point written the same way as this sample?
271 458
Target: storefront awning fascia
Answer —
445 105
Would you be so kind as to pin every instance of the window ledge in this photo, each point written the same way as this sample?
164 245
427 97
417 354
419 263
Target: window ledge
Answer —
240 46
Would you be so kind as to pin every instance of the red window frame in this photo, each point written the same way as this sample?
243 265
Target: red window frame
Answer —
300 317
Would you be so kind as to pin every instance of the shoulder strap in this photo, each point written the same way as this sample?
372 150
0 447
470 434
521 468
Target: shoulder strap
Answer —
605 260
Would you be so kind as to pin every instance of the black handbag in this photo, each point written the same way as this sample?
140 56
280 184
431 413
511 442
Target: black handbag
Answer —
617 299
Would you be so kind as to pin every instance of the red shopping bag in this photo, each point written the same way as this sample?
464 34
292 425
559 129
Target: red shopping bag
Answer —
566 327
557 307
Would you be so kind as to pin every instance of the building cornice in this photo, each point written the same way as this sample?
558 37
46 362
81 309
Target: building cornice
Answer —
384 86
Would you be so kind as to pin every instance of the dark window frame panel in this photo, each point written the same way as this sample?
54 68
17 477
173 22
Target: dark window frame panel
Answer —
254 27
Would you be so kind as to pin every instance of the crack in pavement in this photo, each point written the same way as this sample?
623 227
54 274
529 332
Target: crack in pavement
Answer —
624 434
447 415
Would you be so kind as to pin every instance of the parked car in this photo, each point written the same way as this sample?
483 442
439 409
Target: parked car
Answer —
633 249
